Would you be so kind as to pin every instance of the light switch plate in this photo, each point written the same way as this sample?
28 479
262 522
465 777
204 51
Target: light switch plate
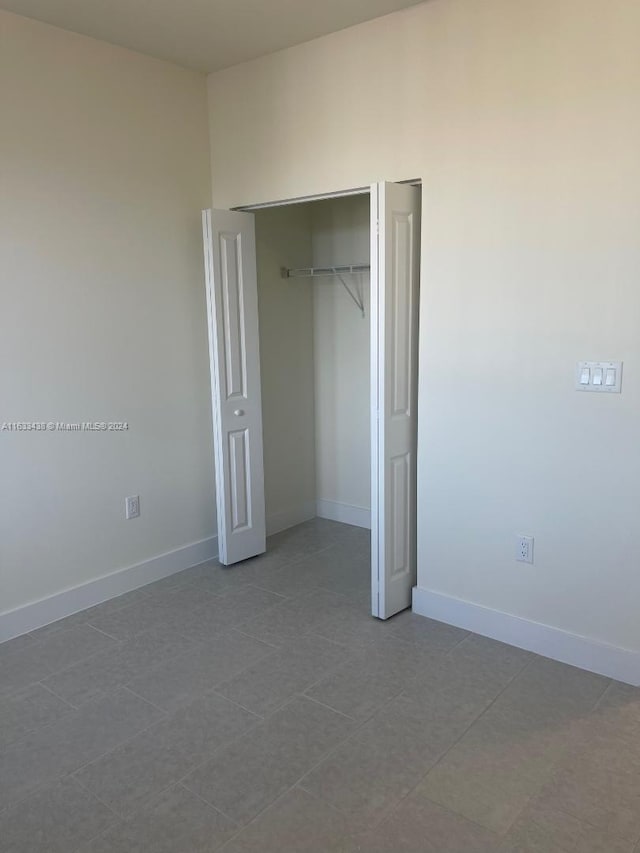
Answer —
609 373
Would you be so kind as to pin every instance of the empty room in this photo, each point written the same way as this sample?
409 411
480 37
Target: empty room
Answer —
319 407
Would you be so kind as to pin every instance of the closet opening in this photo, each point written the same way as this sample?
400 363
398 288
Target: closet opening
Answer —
313 333
313 275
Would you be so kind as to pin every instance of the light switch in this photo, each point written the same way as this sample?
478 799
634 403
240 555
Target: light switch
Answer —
602 376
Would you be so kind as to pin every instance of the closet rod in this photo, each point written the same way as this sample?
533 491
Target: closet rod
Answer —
314 272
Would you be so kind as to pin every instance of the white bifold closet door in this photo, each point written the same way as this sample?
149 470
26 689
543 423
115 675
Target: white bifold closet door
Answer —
232 309
232 304
395 261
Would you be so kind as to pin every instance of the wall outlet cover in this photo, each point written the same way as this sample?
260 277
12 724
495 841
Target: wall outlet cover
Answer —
132 506
524 549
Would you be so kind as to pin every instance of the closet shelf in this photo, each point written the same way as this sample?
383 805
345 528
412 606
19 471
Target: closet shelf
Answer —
314 272
338 271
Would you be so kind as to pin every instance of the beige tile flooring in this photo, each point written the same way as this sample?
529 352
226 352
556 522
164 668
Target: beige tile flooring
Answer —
261 708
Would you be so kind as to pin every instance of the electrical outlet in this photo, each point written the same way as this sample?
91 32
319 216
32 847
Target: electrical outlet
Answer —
132 506
524 549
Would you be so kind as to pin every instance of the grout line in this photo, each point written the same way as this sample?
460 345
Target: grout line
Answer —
95 797
273 803
70 774
460 642
210 756
35 729
332 671
335 643
255 639
111 636
282 667
164 711
259 639
501 837
286 598
208 804
61 698
243 735
307 772
213 691
106 691
253 585
28 635
122 743
320 799
328 707
285 793
83 660
100 631
604 693
439 760
197 645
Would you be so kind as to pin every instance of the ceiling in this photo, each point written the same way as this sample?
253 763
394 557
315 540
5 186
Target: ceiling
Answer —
205 34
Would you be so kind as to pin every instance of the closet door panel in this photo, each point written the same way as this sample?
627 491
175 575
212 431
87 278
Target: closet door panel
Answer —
232 309
395 258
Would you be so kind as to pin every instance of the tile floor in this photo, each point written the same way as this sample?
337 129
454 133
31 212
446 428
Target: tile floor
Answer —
261 708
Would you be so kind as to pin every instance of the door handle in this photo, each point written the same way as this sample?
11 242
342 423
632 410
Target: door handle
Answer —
239 413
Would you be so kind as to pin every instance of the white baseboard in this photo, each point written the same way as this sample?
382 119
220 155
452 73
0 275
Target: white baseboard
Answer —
346 513
277 521
611 661
69 601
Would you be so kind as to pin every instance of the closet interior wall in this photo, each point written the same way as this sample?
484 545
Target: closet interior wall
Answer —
340 235
285 316
314 353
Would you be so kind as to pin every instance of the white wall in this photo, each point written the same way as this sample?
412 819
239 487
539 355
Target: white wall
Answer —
104 158
283 239
341 235
523 120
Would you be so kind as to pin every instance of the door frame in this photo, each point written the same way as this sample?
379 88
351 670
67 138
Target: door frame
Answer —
373 412
304 199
